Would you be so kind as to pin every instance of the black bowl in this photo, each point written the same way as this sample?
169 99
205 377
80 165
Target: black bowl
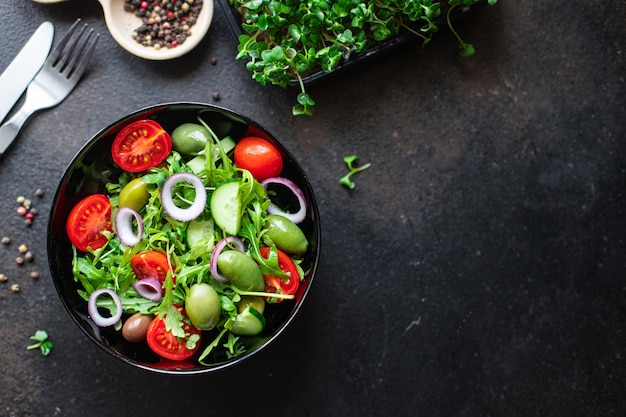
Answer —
88 173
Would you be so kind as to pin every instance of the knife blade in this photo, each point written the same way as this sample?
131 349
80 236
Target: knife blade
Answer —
21 71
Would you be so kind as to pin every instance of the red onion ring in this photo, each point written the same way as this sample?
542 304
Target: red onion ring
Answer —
124 226
149 288
191 212
95 315
238 243
296 217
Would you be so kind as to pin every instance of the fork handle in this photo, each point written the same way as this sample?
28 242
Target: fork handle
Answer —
10 129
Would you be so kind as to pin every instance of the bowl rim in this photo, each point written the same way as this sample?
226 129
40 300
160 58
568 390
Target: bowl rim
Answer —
198 369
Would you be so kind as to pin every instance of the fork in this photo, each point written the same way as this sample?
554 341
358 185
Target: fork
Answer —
55 80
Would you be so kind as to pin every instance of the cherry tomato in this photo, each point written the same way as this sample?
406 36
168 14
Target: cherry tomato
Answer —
141 145
259 157
168 346
274 283
88 221
151 263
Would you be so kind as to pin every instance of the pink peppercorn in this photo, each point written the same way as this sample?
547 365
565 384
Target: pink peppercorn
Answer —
21 210
144 5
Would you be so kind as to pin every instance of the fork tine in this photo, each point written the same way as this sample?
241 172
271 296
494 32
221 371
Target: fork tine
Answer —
83 56
77 50
56 52
64 61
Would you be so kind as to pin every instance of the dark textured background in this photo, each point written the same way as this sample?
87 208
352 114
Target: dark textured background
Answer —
476 270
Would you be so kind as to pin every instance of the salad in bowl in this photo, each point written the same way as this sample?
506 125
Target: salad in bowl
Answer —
183 238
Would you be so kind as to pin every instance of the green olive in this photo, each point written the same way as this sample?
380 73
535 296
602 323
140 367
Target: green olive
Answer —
190 138
241 270
135 327
203 306
134 195
258 303
286 235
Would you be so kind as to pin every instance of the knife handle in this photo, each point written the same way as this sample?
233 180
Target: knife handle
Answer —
10 129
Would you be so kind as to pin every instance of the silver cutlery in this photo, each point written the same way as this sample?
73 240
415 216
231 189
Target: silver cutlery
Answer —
54 82
21 71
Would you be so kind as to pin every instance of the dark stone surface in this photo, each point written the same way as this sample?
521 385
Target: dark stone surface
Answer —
476 270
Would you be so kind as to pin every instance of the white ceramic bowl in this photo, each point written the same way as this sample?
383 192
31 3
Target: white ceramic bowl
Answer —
121 25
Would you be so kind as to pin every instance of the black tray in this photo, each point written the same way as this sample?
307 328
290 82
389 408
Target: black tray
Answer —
233 17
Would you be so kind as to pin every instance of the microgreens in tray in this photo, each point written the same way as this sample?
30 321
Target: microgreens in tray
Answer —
287 40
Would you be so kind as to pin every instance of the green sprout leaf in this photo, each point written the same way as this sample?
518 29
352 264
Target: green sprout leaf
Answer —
43 344
350 161
466 50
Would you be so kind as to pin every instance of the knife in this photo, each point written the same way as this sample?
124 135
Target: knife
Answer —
24 67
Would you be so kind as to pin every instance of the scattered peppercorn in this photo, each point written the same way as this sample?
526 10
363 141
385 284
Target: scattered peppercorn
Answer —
15 288
216 96
39 192
28 256
6 240
3 278
34 275
26 209
165 23
213 60
19 260
22 248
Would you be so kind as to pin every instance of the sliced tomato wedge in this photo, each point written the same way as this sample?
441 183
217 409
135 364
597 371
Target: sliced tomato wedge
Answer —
87 222
274 283
168 346
141 145
150 263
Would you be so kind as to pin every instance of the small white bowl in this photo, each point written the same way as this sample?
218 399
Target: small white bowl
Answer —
122 24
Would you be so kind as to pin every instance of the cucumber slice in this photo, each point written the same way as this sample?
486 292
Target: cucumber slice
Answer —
198 230
225 207
249 322
227 143
197 164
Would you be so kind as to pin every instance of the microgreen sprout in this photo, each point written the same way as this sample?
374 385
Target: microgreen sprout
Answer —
43 344
350 162
286 40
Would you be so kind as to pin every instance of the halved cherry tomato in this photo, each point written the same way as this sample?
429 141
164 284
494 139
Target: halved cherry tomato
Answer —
168 346
274 283
141 145
151 263
88 221
259 157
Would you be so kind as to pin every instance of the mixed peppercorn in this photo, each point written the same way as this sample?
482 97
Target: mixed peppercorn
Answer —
165 23
24 209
